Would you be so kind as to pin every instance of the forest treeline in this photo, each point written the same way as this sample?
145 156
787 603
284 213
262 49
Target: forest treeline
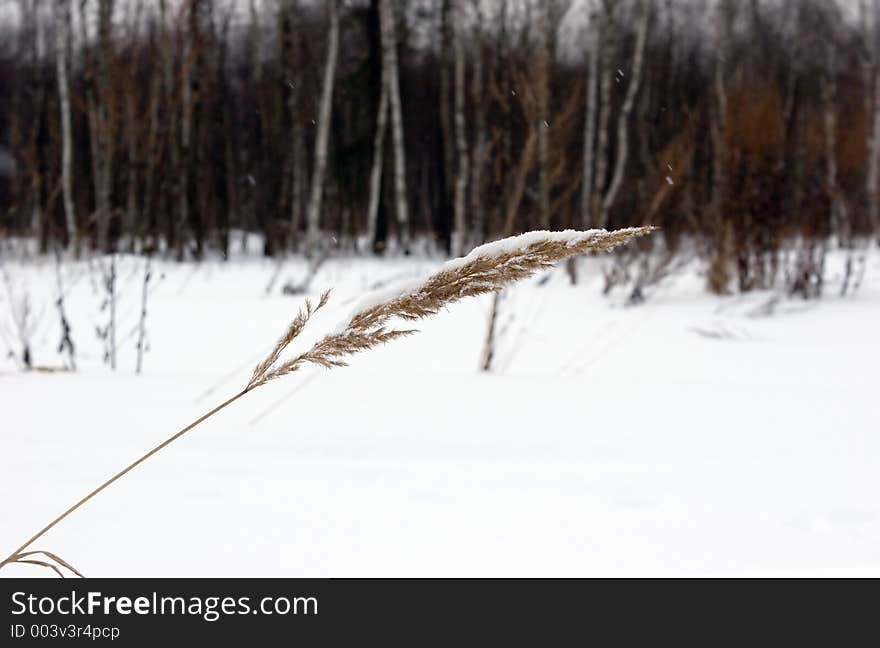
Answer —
749 130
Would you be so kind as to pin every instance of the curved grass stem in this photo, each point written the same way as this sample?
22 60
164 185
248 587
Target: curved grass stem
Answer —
16 555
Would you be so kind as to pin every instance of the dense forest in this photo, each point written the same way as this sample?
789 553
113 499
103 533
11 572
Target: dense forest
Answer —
748 130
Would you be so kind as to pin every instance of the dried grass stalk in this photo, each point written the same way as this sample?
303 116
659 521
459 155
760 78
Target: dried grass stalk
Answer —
486 269
294 329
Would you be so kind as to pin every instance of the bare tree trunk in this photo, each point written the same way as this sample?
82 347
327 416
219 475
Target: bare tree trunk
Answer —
460 236
446 118
31 15
608 44
103 124
589 140
478 216
717 131
299 179
390 63
376 170
131 219
829 99
172 184
722 232
91 110
515 192
186 118
62 48
297 151
590 128
543 122
518 186
623 118
152 154
317 190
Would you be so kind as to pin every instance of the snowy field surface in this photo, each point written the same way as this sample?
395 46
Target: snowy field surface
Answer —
691 435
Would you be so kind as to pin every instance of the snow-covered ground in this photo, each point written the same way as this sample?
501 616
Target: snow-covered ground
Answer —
691 435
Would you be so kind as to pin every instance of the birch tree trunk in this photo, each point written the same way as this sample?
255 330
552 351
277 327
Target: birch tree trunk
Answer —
390 64
623 118
317 189
62 49
460 236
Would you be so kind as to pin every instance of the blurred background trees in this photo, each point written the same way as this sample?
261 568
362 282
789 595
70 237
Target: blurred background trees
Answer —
748 129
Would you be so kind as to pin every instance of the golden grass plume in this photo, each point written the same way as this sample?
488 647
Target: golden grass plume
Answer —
486 269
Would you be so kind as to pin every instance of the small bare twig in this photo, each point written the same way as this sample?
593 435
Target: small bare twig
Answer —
66 342
142 320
